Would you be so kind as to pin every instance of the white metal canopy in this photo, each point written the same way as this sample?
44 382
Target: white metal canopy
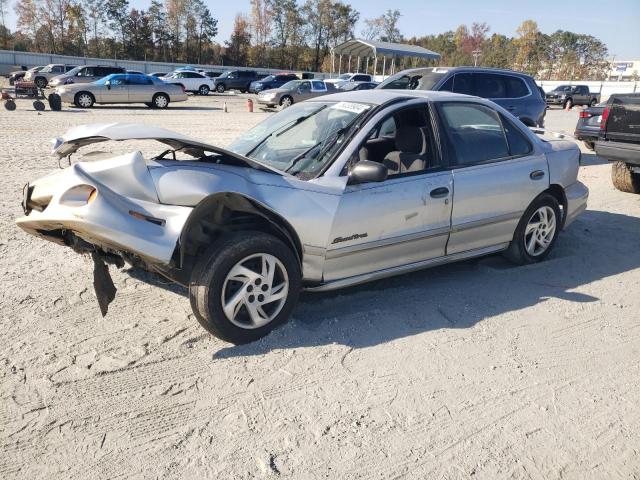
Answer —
358 48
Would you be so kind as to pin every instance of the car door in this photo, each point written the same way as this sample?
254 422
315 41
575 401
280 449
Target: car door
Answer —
118 90
140 88
496 174
402 220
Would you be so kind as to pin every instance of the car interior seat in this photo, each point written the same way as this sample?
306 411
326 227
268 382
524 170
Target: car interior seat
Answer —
410 153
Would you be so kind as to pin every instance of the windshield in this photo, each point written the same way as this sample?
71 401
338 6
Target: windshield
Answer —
270 78
73 71
47 69
291 85
424 79
301 139
345 76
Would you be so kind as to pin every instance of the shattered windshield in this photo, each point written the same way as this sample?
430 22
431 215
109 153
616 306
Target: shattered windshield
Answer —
301 139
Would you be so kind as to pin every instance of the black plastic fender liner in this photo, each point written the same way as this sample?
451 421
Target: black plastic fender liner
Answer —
102 283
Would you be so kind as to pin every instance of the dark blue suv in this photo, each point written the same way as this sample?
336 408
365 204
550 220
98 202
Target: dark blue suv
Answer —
514 91
272 81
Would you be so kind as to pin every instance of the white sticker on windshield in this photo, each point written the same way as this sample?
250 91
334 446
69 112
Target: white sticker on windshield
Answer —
351 107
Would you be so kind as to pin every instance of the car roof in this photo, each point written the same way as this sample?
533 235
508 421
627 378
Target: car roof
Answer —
380 96
470 69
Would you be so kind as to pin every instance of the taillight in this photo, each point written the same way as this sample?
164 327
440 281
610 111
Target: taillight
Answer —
605 115
585 114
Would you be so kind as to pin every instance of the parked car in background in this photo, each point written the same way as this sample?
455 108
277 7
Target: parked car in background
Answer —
588 126
295 91
42 77
619 140
271 81
332 192
85 74
570 95
235 80
515 91
351 86
345 78
191 81
122 88
18 75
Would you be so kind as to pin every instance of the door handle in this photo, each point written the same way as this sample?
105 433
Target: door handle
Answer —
536 175
439 192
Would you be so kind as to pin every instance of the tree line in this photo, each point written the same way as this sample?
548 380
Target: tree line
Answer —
285 34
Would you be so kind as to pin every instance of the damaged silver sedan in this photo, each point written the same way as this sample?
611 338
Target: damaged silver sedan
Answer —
329 193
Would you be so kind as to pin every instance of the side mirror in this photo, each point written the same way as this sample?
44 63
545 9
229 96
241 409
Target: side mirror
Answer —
366 171
108 84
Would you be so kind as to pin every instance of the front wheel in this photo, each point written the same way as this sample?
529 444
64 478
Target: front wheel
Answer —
41 82
84 100
244 286
220 88
286 101
536 232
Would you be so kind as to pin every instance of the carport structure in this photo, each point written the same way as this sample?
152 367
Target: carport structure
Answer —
359 49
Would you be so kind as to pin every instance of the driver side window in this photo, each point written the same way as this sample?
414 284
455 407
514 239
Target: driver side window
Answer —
403 142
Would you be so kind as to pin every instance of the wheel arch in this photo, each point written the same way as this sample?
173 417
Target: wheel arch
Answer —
559 194
224 212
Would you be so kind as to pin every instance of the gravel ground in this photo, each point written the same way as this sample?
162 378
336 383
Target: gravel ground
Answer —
473 370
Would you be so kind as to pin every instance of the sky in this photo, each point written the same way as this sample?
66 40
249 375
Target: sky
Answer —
615 22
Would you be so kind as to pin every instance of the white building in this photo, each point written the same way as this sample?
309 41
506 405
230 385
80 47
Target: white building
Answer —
624 70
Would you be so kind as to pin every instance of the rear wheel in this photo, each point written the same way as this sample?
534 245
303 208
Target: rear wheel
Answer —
84 100
244 286
160 100
203 90
537 231
589 145
624 179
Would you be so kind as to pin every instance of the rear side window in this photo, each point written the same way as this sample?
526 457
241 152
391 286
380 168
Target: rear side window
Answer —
474 132
463 83
519 144
516 87
318 85
138 80
489 85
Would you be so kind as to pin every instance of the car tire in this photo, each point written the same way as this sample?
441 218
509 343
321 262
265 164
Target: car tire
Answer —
590 145
536 232
213 281
160 100
10 105
624 179
568 104
55 102
41 82
286 101
203 90
84 100
220 88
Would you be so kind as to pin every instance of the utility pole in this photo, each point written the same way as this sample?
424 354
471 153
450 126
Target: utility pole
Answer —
476 54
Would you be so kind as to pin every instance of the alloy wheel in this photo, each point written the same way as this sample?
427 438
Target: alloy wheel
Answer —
255 290
540 231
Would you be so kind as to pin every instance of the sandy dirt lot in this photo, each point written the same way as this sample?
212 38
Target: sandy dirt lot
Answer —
473 370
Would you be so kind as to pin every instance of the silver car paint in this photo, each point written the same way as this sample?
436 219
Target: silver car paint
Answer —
121 93
405 228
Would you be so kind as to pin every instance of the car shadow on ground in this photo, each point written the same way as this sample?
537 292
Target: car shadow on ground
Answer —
143 107
591 159
454 296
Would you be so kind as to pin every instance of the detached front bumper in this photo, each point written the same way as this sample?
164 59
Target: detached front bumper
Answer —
577 196
110 221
